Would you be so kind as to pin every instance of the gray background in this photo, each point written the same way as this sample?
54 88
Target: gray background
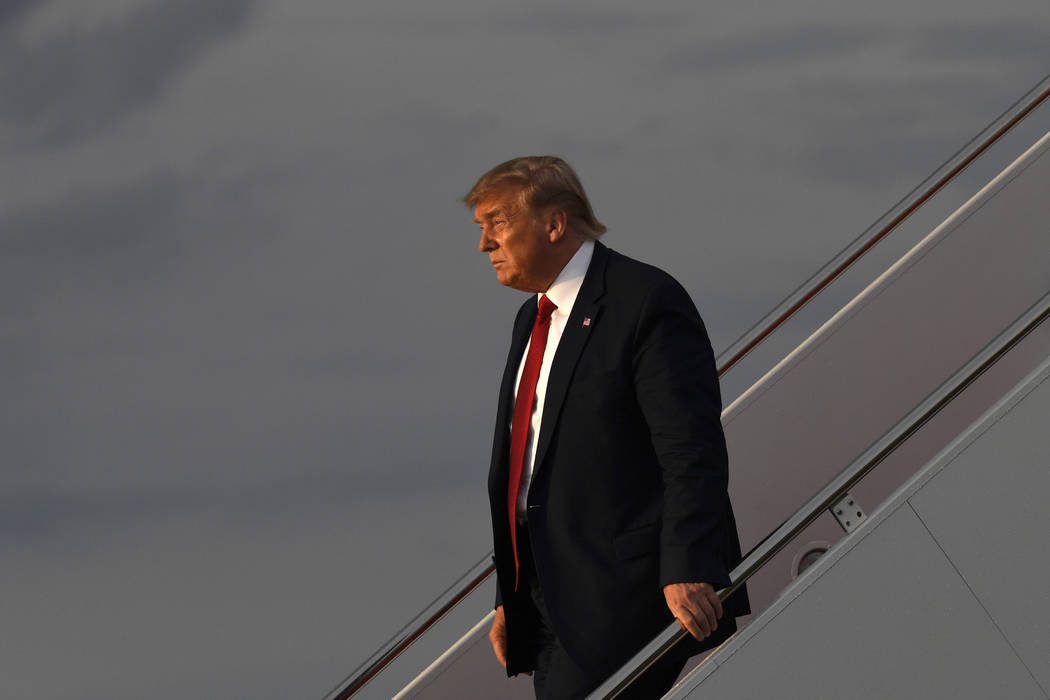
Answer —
250 352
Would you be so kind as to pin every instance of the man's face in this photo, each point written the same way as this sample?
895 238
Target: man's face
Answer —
515 240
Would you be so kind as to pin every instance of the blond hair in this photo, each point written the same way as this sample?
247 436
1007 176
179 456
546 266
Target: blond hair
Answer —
541 181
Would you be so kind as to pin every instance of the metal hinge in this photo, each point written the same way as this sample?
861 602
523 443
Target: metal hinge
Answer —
848 513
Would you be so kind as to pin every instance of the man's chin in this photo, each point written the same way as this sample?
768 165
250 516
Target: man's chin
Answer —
517 283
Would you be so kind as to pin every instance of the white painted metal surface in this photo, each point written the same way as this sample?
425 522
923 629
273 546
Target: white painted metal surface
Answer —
884 352
943 586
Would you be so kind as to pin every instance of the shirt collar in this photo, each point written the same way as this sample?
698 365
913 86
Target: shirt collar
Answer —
568 282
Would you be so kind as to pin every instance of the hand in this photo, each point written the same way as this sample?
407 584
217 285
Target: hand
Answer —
498 636
696 607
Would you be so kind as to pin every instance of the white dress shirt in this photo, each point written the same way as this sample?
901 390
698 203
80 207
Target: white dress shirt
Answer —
562 292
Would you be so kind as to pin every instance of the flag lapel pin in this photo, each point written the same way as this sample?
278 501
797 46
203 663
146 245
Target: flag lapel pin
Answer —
586 321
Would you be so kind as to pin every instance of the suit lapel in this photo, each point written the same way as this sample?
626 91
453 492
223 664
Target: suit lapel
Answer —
572 342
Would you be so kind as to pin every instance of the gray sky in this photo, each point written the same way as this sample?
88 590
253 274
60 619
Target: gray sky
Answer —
250 350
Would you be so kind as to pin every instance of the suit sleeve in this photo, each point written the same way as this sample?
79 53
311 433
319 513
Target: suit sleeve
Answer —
521 323
677 389
499 593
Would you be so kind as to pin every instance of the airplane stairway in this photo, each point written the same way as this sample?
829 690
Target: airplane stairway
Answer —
939 593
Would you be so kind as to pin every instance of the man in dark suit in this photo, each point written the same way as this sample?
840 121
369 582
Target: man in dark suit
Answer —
609 474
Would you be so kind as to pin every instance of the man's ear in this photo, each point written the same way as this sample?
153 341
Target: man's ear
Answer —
556 223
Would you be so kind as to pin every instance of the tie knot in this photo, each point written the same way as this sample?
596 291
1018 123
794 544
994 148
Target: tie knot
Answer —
547 307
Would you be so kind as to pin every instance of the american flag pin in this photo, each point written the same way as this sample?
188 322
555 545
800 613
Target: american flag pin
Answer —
586 321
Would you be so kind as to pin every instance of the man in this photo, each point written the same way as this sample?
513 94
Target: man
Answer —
608 480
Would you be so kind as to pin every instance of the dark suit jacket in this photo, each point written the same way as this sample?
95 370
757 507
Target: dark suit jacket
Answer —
629 489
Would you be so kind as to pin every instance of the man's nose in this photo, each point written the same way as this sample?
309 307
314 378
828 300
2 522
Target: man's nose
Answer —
486 243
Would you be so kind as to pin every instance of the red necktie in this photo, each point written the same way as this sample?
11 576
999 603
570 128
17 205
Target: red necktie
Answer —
519 430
